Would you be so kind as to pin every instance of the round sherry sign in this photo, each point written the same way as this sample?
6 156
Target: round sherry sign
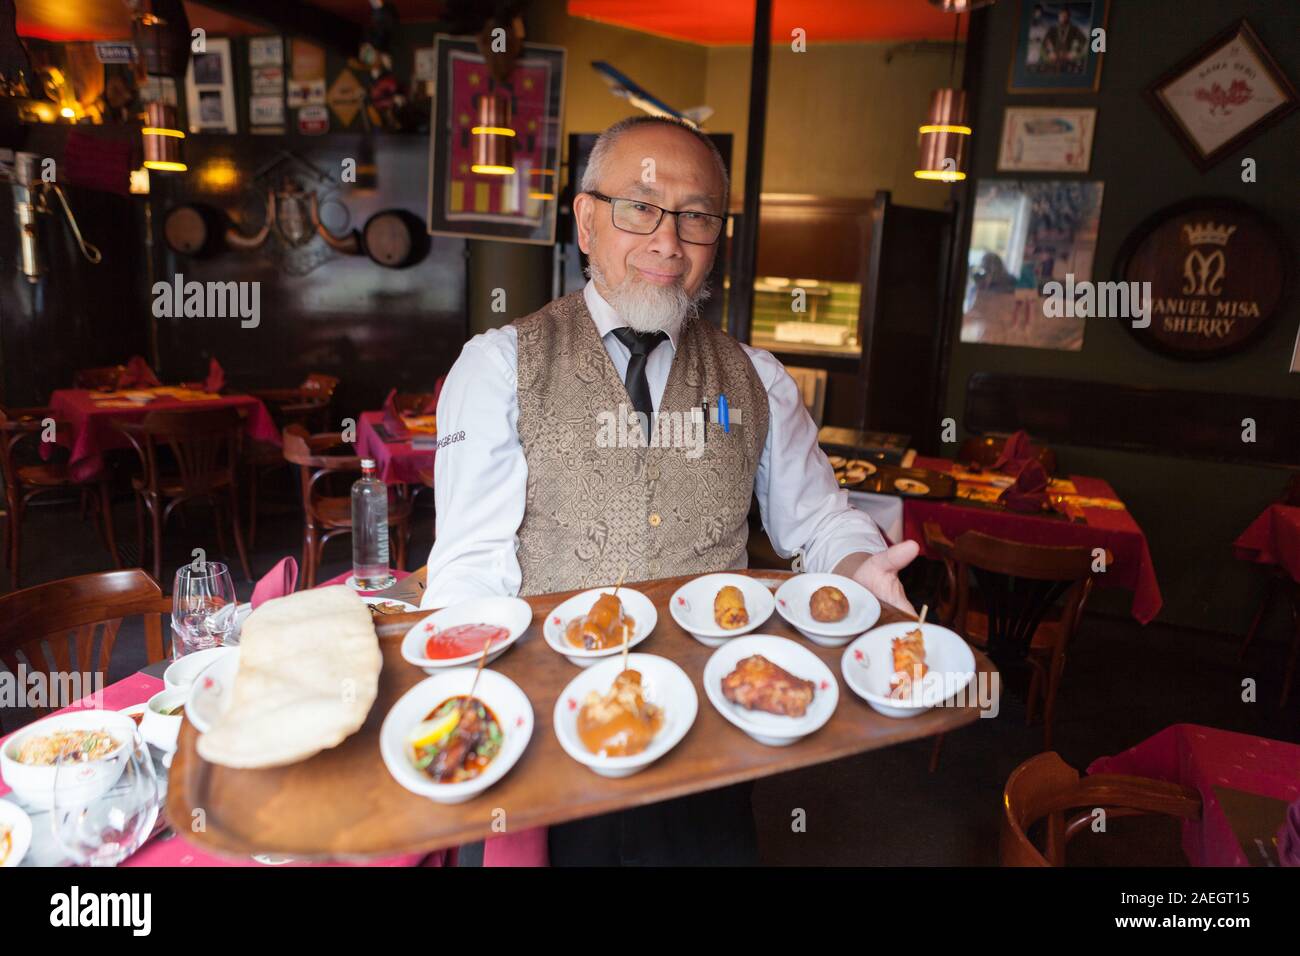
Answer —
1218 272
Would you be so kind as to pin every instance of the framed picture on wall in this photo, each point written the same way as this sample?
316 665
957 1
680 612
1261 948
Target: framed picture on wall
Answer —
1054 46
210 90
1222 95
494 158
1046 139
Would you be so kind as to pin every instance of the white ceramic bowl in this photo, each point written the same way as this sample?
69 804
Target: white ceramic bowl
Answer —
793 596
637 605
158 727
35 785
502 696
19 824
772 729
514 614
182 672
868 665
209 696
664 684
371 601
692 606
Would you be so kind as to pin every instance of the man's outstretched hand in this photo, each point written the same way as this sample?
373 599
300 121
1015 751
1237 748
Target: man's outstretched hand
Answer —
879 573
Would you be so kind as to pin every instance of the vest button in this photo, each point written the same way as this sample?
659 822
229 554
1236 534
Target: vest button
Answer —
654 519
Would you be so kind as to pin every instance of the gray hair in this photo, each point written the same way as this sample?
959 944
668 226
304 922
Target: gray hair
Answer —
599 156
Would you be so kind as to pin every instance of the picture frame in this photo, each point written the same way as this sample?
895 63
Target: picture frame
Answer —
1046 139
1055 55
210 90
521 206
1225 93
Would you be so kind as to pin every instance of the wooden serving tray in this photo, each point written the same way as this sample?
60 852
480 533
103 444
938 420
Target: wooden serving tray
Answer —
343 804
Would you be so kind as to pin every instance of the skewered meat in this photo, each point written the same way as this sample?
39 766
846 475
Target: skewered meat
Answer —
758 684
462 743
909 663
601 627
622 722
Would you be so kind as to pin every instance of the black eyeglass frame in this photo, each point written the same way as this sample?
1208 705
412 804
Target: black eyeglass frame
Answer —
675 213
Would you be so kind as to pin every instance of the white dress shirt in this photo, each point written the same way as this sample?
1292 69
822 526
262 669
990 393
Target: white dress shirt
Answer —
481 473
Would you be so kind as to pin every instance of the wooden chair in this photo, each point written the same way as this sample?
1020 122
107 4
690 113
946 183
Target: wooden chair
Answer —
327 516
103 379
25 482
985 451
1028 605
70 626
1280 583
1046 788
204 446
307 405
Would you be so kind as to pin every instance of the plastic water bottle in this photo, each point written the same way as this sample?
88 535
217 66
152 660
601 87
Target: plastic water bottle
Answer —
370 530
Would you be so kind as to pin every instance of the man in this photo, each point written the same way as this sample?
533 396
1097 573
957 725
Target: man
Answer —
534 498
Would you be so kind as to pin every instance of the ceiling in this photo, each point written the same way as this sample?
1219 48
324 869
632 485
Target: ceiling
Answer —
732 21
111 20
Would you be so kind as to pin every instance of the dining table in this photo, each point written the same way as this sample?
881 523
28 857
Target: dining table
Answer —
398 458
92 418
343 804
1246 783
1273 539
1100 520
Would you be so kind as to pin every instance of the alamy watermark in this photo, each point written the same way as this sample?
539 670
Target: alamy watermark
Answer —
1102 300
37 689
208 300
628 428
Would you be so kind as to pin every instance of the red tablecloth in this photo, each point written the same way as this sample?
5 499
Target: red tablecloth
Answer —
396 462
93 431
1204 758
1273 538
1114 530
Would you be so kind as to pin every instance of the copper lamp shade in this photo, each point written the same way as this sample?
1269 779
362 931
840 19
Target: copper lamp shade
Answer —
162 139
492 138
944 137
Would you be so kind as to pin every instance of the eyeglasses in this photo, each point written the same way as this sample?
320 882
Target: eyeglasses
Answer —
643 218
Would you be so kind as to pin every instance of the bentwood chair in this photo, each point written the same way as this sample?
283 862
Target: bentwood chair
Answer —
985 451
204 446
70 627
1044 789
327 516
1026 609
26 477
1280 583
308 405
104 379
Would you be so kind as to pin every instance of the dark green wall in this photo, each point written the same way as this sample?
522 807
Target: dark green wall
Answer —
1191 510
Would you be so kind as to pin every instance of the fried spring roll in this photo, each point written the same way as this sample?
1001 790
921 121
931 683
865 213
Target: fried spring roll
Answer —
729 608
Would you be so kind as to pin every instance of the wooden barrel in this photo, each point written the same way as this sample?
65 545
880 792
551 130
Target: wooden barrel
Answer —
395 238
193 230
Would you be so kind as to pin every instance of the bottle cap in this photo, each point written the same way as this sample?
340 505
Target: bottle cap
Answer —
367 463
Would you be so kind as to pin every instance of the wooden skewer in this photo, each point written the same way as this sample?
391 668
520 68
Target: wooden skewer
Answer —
460 711
924 609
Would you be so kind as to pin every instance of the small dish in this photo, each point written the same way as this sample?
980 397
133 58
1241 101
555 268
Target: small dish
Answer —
183 671
209 696
160 727
792 603
34 784
910 486
691 607
635 604
15 833
774 730
514 614
868 664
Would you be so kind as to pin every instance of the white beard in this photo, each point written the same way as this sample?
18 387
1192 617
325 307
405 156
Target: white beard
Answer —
647 307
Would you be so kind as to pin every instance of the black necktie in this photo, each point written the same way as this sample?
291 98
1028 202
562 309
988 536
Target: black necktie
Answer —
640 344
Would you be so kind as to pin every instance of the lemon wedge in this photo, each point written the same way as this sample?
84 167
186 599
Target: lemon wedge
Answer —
430 733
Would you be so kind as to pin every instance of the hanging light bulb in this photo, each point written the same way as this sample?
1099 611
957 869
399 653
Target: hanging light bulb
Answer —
944 135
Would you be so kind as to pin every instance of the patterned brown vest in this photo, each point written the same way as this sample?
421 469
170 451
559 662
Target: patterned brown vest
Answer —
596 507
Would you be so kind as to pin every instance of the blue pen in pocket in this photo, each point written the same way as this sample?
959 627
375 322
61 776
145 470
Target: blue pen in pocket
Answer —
724 414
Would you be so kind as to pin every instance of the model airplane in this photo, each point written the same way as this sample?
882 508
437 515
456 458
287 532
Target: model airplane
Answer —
621 85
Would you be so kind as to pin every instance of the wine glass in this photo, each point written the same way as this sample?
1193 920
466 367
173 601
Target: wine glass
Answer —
105 809
204 607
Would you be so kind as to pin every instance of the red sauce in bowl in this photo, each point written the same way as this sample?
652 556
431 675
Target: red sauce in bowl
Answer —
463 640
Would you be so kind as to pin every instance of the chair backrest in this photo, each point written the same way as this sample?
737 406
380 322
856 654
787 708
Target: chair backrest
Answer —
1019 583
1044 788
985 451
307 452
812 389
204 442
320 386
106 377
67 629
16 425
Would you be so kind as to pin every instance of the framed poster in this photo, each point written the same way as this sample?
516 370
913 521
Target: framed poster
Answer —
1046 139
210 89
1025 234
1054 43
1222 95
515 198
1219 272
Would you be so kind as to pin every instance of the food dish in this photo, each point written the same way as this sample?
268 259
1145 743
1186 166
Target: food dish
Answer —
308 673
15 833
694 606
500 697
794 603
77 745
828 605
455 635
663 685
758 684
869 668
182 672
620 722
729 608
386 608
637 610
909 663
33 777
163 717
456 741
778 673
606 625
837 461
910 486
